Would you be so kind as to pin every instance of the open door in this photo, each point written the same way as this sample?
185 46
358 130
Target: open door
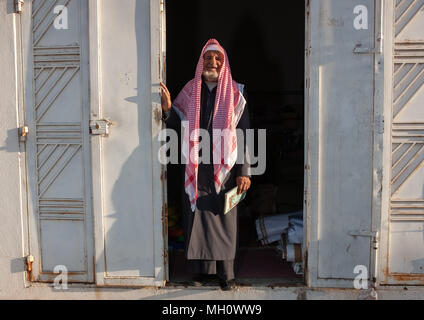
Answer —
344 103
128 196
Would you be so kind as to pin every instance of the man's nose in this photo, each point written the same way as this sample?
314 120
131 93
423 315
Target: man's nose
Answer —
214 63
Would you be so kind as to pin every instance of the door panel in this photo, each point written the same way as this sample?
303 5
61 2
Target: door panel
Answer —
340 113
128 191
405 258
58 151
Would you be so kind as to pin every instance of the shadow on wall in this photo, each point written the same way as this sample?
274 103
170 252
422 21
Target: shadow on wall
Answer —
128 252
10 6
11 144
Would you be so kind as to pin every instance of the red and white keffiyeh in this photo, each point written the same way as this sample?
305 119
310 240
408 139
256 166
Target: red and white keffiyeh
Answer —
229 106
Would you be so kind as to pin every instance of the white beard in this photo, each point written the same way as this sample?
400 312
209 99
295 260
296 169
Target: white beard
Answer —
211 76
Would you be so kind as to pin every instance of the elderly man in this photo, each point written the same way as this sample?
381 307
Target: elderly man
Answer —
212 101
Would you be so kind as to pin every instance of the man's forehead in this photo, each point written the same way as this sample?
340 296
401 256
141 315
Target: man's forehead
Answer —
212 53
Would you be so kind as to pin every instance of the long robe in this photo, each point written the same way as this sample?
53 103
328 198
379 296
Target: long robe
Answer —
209 233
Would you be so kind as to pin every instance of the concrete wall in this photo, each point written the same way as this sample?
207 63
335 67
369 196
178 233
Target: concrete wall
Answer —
11 236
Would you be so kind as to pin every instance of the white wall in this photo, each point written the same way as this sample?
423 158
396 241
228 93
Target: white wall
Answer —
11 236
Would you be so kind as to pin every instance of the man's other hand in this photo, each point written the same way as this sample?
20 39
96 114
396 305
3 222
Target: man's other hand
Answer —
165 98
243 183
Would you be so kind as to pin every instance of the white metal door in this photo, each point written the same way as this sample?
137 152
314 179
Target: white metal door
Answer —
55 43
403 257
129 209
343 63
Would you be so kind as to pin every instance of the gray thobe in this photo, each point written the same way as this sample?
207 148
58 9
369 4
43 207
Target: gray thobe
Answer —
211 236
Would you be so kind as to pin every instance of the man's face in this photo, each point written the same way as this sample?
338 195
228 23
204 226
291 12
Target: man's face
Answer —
212 63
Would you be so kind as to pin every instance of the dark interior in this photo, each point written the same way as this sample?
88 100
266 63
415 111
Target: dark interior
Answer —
265 45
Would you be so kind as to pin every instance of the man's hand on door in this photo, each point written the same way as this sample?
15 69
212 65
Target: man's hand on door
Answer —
165 98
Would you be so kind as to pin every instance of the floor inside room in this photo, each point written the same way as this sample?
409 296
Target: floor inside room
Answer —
271 271
265 46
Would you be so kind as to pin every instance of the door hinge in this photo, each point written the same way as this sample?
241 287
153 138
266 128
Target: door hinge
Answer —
19 6
165 256
23 132
29 261
162 6
100 127
380 124
308 51
163 175
364 233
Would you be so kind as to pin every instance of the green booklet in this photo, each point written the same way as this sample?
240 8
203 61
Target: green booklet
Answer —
232 199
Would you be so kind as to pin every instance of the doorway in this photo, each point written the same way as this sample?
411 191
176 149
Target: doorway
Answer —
265 46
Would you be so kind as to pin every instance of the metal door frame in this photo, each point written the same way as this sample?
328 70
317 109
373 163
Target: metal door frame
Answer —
382 146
